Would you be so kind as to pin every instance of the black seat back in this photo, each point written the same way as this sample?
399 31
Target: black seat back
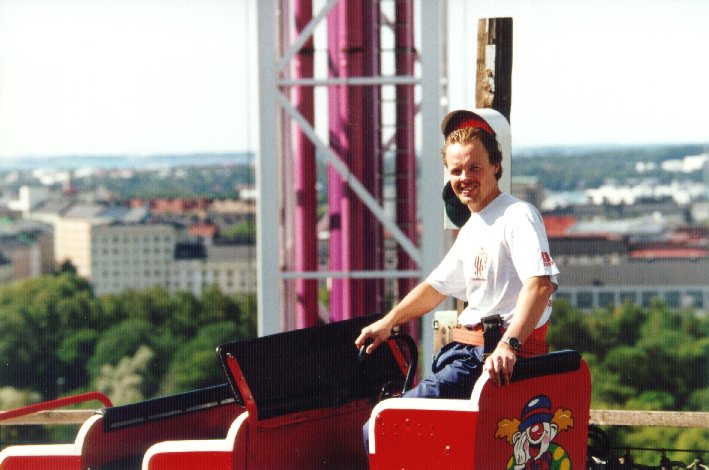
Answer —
308 369
557 362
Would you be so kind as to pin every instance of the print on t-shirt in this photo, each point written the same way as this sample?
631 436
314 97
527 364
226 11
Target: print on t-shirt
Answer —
480 265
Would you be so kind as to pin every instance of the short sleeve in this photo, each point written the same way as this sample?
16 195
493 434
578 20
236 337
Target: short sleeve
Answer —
448 278
529 246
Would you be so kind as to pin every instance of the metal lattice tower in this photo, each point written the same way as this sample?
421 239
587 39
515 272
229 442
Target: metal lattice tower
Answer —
343 87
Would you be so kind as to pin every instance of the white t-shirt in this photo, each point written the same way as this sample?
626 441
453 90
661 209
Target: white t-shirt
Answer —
495 252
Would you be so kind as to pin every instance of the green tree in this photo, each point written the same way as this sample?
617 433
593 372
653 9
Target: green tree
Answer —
153 304
119 341
123 383
195 364
183 321
217 307
247 322
568 329
74 352
35 317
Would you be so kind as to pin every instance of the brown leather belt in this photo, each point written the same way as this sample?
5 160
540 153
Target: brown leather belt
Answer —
473 335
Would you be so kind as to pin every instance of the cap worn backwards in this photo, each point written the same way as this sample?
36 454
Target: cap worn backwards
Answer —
461 119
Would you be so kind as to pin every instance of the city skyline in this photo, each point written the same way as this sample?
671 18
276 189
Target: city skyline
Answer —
154 77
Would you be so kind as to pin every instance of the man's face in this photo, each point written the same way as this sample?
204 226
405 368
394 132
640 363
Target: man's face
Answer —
472 175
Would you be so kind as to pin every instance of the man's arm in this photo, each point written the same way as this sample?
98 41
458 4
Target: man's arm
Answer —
530 306
422 299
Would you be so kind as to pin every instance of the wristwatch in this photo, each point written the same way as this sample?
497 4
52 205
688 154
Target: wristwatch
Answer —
512 342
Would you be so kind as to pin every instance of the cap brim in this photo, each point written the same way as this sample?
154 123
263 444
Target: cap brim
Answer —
463 118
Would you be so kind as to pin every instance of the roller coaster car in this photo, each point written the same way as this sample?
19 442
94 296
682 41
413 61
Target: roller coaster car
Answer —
117 437
307 395
539 420
299 400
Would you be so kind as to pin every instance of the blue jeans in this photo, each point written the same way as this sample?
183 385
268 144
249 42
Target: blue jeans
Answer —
455 369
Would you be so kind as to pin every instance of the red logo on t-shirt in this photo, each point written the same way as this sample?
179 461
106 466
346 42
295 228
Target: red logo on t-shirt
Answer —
480 265
546 259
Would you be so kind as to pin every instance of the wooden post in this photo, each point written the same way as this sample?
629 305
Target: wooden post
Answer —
493 74
493 87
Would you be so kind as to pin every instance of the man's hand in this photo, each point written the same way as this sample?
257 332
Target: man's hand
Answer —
500 363
423 298
378 332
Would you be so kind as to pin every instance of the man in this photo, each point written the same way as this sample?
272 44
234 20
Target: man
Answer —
499 264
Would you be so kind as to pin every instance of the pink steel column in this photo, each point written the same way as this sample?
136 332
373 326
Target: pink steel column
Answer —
405 146
306 254
334 181
372 157
354 245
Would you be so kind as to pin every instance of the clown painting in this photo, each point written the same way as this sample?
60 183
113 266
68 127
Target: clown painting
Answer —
532 436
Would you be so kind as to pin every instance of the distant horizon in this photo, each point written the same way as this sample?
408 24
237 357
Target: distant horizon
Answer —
122 161
245 157
220 153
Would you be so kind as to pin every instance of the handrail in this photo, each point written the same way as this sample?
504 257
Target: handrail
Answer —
50 418
678 419
57 403
690 419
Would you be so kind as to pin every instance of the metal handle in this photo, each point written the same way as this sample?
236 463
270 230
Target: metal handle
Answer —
413 358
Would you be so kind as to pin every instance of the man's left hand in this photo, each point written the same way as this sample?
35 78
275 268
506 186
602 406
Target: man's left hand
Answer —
500 363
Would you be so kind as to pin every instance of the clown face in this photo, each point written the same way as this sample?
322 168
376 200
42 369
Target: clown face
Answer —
534 441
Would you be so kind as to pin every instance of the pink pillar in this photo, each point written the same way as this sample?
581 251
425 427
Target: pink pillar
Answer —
335 183
405 146
354 116
306 254
372 157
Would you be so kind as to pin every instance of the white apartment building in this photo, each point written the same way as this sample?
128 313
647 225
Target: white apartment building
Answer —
116 252
134 256
680 283
231 267
28 198
72 242
115 256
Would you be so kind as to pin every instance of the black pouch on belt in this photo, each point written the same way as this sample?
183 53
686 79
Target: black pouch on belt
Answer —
491 333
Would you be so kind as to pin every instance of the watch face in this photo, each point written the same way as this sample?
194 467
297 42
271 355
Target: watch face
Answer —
514 343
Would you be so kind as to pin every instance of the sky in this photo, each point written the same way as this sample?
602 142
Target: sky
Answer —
125 76
602 71
142 77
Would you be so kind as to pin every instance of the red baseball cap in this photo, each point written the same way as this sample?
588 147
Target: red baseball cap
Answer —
460 119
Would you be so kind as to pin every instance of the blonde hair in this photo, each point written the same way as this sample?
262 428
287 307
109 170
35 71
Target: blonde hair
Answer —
468 135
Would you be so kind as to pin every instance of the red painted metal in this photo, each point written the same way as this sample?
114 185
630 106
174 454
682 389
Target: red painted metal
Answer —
243 387
42 462
219 454
306 255
425 439
193 460
53 404
322 438
95 447
422 434
101 447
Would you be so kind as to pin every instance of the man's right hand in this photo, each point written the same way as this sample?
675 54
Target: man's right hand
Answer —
377 332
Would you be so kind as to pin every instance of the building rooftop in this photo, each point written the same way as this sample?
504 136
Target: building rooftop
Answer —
664 273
